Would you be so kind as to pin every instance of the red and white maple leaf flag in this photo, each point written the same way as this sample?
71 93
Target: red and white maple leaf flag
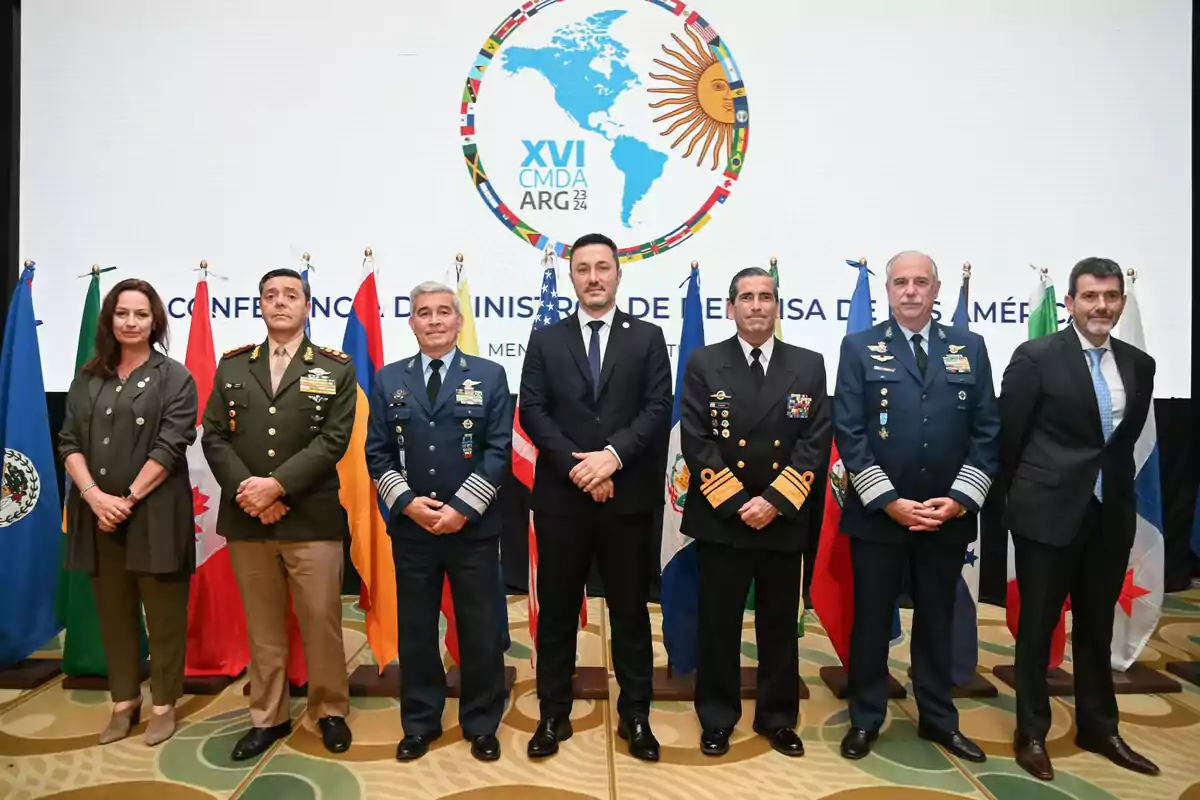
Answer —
217 643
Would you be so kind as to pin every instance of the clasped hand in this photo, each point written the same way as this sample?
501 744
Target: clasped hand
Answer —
435 516
110 510
926 516
758 513
259 497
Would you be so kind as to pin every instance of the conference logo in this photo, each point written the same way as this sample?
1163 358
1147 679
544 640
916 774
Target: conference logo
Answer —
20 487
623 116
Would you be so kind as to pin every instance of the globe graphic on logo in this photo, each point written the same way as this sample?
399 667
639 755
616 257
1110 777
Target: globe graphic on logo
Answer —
628 117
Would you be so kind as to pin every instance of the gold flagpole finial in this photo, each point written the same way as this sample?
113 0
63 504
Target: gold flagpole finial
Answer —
29 263
774 261
368 253
695 265
863 260
458 258
1132 273
967 269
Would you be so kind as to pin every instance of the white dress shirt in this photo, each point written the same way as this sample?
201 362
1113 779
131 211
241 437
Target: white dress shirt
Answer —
908 335
1108 369
605 329
764 358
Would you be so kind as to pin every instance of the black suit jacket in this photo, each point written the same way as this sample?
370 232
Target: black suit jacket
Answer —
739 444
633 413
1051 442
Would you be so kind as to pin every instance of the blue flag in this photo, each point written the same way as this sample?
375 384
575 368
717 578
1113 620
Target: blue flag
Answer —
30 511
964 636
677 557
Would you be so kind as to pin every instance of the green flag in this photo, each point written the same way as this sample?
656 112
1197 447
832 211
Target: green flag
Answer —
1043 308
75 607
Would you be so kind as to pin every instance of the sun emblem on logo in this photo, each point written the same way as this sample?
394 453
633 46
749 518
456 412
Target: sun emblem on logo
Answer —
677 488
703 100
837 482
21 487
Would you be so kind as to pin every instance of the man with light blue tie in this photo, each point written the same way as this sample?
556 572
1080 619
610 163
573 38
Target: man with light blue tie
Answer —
1072 406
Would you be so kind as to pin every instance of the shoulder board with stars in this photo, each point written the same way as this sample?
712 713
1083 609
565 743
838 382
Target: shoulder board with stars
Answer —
238 350
336 355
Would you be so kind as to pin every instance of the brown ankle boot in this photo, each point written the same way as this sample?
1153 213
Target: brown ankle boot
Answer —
120 723
161 727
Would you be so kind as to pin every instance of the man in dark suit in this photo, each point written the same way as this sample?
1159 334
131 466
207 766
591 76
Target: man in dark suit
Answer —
916 426
1072 405
596 402
438 448
754 430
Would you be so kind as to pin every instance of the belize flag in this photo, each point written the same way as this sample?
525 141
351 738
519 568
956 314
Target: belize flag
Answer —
30 508
680 570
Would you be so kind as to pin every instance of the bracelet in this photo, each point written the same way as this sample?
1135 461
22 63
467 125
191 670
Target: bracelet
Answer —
85 489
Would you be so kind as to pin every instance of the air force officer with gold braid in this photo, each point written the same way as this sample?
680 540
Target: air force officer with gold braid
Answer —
755 433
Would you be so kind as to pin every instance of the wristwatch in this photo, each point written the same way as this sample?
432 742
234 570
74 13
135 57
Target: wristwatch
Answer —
129 495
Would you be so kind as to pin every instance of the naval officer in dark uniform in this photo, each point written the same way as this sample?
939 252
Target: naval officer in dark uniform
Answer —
755 433
438 449
276 425
917 428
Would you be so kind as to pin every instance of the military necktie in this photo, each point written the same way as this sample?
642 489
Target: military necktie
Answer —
279 365
919 352
756 370
1103 401
435 380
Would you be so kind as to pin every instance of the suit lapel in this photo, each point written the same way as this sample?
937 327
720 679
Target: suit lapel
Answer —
1077 368
574 334
149 374
898 345
616 337
260 368
414 381
779 377
455 373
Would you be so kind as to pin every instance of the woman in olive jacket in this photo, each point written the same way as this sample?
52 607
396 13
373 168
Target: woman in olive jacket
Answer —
131 415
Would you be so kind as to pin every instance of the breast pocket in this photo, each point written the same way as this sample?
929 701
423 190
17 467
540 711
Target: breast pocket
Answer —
962 384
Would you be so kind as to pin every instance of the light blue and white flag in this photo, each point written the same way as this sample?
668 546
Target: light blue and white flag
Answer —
680 569
1140 603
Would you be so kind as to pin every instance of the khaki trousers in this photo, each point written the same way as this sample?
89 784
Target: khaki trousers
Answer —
266 572
119 593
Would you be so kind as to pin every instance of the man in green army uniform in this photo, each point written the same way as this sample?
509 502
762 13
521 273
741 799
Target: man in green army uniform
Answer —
277 423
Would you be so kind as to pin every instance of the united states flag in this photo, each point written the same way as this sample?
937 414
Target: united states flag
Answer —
524 452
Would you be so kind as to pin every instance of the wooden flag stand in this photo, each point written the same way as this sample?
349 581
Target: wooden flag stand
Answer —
366 681
838 682
669 685
30 673
1138 679
208 685
99 683
1188 670
976 686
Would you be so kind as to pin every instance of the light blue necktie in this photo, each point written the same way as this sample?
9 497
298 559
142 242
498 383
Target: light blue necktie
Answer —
1103 399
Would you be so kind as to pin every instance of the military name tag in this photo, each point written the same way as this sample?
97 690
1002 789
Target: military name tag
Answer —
956 363
798 405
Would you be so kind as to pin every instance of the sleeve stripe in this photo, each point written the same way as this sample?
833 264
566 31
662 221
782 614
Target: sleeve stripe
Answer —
719 488
473 500
793 486
476 492
973 483
871 484
391 485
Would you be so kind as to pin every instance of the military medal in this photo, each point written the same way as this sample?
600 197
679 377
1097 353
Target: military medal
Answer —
962 394
468 395
718 406
467 424
883 433
468 445
798 405
317 381
883 419
956 363
232 421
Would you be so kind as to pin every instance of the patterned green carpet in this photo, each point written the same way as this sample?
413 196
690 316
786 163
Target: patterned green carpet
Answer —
48 741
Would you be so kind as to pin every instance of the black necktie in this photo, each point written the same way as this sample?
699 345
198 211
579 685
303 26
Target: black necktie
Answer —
919 352
594 355
756 369
435 380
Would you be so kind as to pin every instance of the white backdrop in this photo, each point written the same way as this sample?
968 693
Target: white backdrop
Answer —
156 134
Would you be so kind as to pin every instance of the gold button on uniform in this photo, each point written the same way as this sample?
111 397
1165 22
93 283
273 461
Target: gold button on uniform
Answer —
140 420
775 465
777 443
270 410
741 465
270 431
741 442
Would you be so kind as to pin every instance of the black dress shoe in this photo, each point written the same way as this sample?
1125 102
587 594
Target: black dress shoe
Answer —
258 740
550 731
1115 750
642 743
783 740
413 747
486 747
335 734
715 741
954 741
857 743
1033 758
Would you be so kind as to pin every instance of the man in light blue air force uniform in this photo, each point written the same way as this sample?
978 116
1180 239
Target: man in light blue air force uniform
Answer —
438 449
917 427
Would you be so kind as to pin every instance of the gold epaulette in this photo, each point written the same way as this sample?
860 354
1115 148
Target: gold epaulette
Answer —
336 355
241 349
